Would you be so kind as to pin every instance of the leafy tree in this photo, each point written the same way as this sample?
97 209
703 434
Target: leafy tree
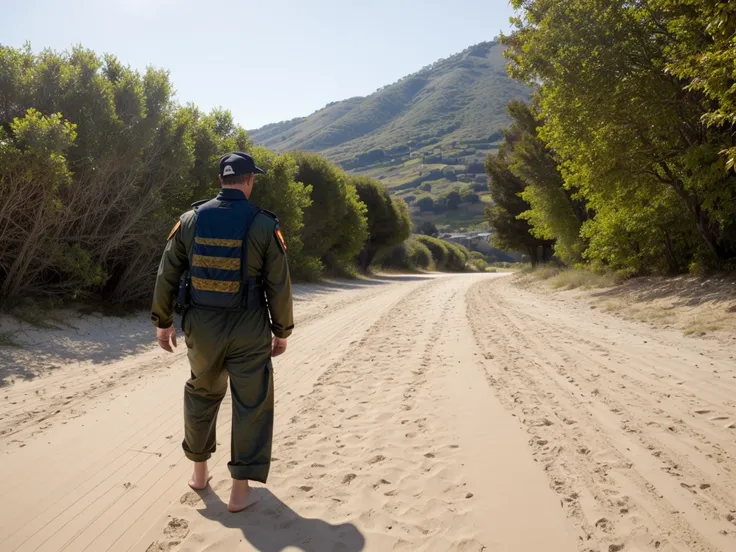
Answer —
279 192
129 163
467 195
554 214
617 109
428 229
388 220
511 232
335 225
703 54
453 199
449 174
425 203
96 163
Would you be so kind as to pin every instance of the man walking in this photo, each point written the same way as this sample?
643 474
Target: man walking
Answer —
235 257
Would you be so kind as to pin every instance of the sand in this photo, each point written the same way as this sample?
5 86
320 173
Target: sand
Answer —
439 412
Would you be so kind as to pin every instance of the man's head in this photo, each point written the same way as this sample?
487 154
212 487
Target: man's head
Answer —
238 170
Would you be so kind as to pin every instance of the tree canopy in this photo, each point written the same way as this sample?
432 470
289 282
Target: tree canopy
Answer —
98 160
636 107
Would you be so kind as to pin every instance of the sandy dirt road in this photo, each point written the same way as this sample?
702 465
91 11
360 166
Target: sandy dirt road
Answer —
452 412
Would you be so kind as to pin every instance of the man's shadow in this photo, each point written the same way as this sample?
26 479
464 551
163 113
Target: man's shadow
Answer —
271 526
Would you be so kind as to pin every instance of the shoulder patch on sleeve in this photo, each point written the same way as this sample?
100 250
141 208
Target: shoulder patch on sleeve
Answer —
280 239
174 229
270 214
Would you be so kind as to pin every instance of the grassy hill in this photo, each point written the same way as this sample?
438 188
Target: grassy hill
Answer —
445 116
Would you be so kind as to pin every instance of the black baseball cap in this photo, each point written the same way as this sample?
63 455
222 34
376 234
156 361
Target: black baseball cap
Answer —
238 163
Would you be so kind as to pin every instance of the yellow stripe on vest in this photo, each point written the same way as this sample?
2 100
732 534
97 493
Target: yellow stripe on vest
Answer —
218 242
215 285
223 263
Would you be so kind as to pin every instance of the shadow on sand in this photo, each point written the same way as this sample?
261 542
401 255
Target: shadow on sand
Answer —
684 291
271 526
73 337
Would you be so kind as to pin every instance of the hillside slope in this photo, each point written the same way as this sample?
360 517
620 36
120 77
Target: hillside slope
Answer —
459 99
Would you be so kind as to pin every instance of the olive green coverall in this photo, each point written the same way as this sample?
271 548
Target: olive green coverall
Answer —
235 344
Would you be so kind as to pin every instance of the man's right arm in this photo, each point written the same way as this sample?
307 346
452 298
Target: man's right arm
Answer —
174 262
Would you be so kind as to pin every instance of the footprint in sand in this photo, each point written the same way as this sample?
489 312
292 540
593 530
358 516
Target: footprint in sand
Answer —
190 499
162 546
348 478
376 459
177 528
381 482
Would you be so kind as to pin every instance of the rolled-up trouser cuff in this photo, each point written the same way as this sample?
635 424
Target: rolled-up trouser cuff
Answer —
195 457
253 473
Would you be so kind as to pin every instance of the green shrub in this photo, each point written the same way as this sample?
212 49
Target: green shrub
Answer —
410 255
425 203
457 258
335 226
389 222
437 248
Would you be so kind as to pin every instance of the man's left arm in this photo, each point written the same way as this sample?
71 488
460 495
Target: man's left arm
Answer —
174 262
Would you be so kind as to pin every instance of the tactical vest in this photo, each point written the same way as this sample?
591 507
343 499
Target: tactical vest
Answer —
218 268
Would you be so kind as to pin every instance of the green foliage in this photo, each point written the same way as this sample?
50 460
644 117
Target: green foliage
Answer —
97 161
410 255
703 53
335 226
553 212
512 232
468 195
438 248
453 199
445 255
480 264
388 221
279 192
425 203
428 229
637 101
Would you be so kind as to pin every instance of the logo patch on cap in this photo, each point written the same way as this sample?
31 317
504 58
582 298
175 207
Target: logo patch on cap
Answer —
228 170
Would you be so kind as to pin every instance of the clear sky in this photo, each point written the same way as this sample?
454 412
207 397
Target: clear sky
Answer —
265 60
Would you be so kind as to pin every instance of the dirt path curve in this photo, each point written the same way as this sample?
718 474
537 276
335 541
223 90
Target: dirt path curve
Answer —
422 413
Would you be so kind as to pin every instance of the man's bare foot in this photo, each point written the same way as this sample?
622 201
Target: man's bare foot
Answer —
201 476
242 496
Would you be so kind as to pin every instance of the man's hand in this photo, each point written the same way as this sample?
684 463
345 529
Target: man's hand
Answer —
278 346
164 335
